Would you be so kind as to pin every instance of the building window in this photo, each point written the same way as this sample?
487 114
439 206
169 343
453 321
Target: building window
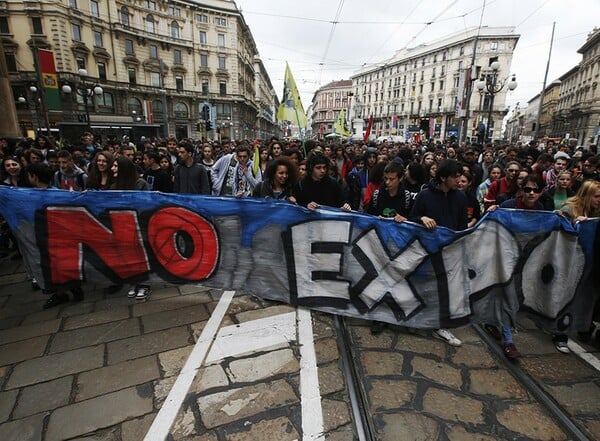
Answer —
150 24
155 79
76 31
153 51
221 40
105 100
462 50
36 23
202 18
128 46
174 29
131 75
11 61
222 64
222 88
102 71
204 87
73 4
177 57
98 39
179 83
460 65
94 9
174 11
494 46
4 25
80 63
204 60
125 16
202 35
180 110
150 4
442 85
433 73
220 21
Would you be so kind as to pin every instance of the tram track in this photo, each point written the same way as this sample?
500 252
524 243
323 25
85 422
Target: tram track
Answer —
365 426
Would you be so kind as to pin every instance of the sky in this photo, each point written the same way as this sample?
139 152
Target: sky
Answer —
330 40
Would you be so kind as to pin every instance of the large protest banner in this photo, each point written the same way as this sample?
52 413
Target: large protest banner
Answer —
344 263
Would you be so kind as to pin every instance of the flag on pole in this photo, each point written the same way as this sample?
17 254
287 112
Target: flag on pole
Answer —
48 79
369 127
291 108
340 126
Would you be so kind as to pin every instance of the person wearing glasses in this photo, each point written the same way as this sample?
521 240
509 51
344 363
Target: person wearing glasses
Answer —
527 198
589 170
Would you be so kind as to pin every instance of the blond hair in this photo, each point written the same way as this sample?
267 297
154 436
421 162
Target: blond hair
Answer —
582 201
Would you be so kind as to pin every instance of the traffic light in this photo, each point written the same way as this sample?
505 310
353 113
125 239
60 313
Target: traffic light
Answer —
208 125
205 112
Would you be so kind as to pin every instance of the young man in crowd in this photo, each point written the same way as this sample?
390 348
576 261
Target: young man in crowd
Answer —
154 174
189 176
69 176
442 204
318 188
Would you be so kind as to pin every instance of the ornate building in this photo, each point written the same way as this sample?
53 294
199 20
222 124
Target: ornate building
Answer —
326 105
578 108
417 90
158 64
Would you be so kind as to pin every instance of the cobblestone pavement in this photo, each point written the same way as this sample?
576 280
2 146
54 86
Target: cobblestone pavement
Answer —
103 369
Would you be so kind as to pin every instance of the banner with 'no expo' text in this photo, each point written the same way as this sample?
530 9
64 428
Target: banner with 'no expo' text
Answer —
343 263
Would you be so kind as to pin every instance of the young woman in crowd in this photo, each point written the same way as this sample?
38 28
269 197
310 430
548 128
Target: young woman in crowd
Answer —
207 158
494 172
464 183
14 173
279 179
557 195
100 175
126 177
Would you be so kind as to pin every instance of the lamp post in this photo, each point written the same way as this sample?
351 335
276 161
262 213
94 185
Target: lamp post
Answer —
490 86
86 89
34 102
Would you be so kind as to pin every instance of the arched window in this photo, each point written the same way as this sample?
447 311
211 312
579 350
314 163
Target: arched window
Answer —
134 105
175 29
150 24
180 110
125 16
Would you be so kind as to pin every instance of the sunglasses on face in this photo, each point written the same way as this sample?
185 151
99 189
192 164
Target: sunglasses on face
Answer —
532 190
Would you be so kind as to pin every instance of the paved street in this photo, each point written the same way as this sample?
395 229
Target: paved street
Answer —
193 363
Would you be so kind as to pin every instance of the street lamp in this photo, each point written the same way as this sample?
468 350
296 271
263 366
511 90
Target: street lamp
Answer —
490 86
86 89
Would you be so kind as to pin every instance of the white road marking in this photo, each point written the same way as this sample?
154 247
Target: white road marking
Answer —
255 335
584 355
166 416
310 394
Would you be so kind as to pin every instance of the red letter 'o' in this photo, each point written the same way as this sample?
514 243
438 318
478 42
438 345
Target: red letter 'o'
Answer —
162 230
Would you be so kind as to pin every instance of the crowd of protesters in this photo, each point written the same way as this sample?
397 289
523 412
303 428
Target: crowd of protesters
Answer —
432 184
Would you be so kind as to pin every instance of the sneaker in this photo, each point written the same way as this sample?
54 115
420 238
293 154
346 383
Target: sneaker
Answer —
132 292
34 284
55 300
142 293
561 346
447 336
511 351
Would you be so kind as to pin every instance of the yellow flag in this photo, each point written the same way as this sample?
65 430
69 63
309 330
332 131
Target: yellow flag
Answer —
291 108
340 126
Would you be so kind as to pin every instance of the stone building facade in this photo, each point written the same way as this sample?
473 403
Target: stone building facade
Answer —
158 63
417 90
326 105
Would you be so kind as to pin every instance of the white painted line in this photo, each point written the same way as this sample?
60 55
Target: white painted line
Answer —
310 394
166 416
584 355
255 335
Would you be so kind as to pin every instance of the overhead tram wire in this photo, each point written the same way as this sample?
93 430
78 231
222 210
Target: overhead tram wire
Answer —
330 38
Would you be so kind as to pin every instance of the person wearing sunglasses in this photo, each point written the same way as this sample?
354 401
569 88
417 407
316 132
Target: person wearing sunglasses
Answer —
527 198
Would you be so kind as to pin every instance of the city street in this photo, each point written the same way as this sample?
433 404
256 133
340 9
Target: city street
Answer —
193 363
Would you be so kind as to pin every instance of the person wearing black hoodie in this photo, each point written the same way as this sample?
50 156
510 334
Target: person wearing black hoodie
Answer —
442 204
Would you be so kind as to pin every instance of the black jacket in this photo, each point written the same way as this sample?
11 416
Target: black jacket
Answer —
447 209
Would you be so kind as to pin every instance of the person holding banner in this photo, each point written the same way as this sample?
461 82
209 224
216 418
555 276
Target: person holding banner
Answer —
280 177
318 188
441 203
